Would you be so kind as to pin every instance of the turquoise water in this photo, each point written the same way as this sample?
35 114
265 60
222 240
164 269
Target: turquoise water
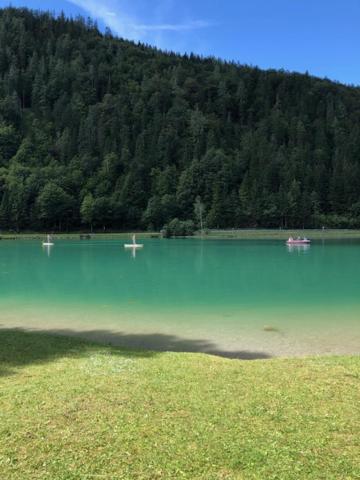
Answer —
224 296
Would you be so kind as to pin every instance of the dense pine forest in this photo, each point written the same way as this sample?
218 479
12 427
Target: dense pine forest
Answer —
98 132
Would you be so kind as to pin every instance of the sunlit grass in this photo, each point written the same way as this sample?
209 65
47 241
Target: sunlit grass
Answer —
75 410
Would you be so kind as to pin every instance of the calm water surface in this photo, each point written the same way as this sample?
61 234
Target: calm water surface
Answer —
249 299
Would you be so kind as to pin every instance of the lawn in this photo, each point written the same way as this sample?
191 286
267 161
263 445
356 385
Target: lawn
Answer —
72 410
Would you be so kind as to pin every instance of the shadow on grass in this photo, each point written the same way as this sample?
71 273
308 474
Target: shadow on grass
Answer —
19 347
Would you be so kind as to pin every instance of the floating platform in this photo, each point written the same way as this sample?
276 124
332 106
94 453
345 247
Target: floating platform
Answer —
48 242
133 245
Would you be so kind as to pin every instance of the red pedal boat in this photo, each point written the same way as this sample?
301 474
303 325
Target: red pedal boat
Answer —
298 241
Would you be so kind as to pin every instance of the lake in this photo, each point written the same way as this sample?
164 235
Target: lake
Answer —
237 298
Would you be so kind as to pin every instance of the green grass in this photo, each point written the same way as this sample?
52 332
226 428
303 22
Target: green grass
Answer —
72 410
272 234
73 235
245 234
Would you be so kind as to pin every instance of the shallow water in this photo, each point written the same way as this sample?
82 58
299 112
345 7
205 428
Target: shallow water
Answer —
250 299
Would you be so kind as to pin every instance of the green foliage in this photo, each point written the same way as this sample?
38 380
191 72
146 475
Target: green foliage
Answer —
54 205
87 210
8 143
179 228
199 210
146 133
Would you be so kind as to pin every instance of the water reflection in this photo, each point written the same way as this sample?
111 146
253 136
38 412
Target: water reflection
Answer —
47 249
133 251
300 249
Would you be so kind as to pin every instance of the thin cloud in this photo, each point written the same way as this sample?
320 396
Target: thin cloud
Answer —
113 14
175 27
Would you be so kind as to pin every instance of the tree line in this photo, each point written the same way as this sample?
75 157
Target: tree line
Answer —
99 132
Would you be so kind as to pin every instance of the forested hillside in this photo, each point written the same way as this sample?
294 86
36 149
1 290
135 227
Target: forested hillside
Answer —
97 131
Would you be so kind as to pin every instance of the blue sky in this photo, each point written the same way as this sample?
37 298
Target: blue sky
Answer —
319 36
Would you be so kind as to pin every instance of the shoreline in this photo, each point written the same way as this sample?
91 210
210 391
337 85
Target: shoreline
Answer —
256 336
233 234
276 234
168 344
76 235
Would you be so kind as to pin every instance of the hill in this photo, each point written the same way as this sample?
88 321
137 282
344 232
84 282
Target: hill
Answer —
95 130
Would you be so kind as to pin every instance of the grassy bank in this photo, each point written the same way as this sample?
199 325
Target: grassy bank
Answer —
270 234
245 234
75 235
75 410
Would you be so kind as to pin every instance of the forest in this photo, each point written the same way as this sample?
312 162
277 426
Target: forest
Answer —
97 132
